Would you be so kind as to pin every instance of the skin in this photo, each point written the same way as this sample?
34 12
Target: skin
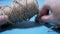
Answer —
3 19
54 16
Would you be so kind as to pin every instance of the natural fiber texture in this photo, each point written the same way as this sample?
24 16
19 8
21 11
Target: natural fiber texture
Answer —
20 10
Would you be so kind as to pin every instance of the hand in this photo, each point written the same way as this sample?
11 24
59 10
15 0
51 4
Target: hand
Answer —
54 6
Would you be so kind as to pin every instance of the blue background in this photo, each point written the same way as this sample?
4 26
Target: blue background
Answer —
34 30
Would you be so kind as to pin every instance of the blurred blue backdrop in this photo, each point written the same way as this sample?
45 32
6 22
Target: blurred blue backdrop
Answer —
35 30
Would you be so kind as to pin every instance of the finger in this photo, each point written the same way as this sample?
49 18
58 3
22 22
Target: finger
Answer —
3 19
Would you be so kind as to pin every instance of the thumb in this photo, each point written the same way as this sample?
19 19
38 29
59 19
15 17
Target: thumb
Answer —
47 17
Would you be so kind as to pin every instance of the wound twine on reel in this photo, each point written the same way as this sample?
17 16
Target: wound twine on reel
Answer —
20 10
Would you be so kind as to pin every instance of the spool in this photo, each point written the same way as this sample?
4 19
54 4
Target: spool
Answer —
20 10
